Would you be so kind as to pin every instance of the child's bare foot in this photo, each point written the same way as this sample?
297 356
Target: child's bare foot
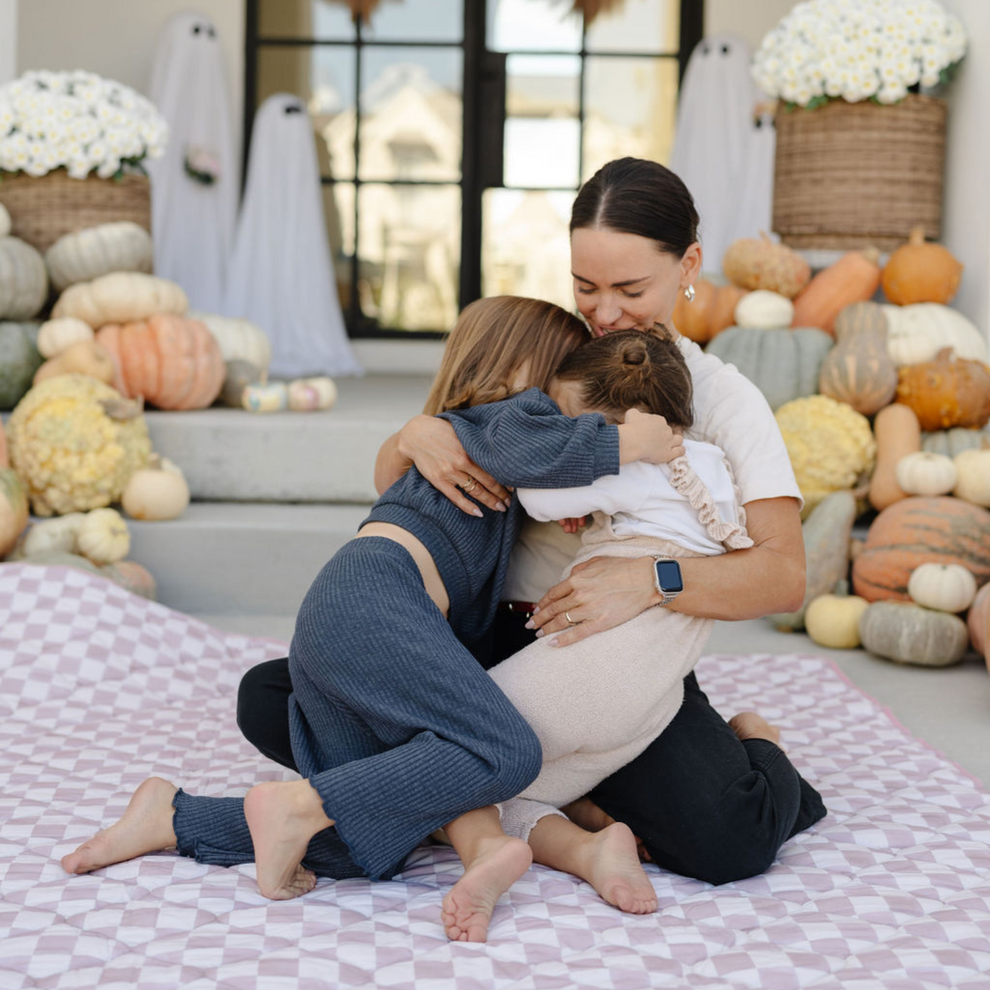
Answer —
468 907
145 827
283 817
750 725
587 814
615 872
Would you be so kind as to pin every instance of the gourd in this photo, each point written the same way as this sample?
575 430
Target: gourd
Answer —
53 535
239 340
917 333
121 297
712 310
783 364
764 310
760 263
55 336
855 277
103 537
973 476
859 371
158 491
946 587
946 392
85 358
307 394
23 280
833 620
898 433
86 254
923 473
13 509
955 441
132 577
174 363
4 221
19 360
919 272
978 621
826 534
915 531
907 633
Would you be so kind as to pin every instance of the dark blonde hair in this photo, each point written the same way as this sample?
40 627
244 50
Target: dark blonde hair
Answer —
631 369
491 342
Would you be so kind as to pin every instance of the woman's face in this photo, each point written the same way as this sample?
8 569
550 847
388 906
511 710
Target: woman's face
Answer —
623 282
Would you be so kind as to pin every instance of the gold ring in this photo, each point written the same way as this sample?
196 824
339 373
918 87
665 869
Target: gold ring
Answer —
470 487
570 621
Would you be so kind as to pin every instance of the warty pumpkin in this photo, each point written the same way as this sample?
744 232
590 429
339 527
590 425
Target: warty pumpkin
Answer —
946 392
898 433
855 277
712 310
920 272
760 263
907 633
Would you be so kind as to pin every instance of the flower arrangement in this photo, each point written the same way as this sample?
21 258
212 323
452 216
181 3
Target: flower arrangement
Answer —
202 165
857 50
77 121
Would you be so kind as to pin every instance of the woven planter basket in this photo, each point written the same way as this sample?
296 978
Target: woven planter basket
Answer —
849 175
43 208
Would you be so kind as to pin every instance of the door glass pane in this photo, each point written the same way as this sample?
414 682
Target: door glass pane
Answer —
338 210
416 20
411 114
614 125
409 246
532 25
525 249
636 26
324 79
317 19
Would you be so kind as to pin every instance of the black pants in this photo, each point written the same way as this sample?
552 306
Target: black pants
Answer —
705 804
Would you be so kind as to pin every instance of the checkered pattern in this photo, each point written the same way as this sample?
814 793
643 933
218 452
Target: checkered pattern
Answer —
100 689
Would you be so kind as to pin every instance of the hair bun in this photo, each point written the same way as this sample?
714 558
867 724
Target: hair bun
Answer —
636 358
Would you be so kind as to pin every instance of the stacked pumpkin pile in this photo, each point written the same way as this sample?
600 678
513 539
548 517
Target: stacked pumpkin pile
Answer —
885 402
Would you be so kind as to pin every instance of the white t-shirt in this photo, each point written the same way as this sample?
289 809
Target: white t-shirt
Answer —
730 412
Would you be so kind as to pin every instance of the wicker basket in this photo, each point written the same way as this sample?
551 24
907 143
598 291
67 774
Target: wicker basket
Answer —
848 175
43 208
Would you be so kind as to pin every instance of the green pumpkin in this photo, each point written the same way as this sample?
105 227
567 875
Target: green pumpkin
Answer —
955 441
783 364
19 360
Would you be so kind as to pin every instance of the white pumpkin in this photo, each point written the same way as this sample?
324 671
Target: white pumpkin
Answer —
312 393
945 587
764 310
916 333
158 491
121 297
86 254
103 536
924 473
23 280
4 221
973 476
55 336
239 340
58 534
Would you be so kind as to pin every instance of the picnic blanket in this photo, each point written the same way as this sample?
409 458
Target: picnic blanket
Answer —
100 689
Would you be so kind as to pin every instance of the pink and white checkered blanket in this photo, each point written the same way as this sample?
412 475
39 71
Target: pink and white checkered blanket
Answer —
100 689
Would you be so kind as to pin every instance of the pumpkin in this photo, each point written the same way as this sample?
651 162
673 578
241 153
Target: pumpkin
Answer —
273 397
907 633
120 297
103 537
760 263
978 621
915 531
86 254
833 620
918 272
239 340
4 221
922 473
158 491
23 280
712 310
764 310
306 394
59 558
132 577
19 360
826 534
955 441
898 433
13 510
858 370
973 477
4 457
55 336
917 333
173 362
783 364
855 277
946 392
85 358
53 535
946 587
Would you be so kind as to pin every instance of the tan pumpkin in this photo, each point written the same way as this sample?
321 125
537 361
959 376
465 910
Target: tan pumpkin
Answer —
121 297
858 370
173 362
712 310
760 263
13 510
832 621
973 476
156 492
946 587
55 336
855 277
84 358
946 392
907 633
898 433
921 272
922 473
917 333
978 622
103 536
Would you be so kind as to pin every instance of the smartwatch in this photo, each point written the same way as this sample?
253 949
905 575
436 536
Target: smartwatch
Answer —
667 578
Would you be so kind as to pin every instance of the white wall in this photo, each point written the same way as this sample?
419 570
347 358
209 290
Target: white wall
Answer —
8 40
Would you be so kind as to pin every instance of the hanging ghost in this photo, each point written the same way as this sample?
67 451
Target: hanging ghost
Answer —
281 272
195 184
719 151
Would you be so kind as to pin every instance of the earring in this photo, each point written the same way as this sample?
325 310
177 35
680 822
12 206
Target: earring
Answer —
689 293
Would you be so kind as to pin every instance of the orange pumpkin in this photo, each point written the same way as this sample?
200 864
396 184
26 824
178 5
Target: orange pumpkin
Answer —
711 312
914 531
978 621
918 272
174 362
946 393
855 277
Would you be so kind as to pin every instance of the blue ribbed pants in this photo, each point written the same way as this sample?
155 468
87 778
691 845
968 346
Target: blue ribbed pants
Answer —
392 720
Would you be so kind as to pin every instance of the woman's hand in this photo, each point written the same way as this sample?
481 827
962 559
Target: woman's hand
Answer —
432 445
647 437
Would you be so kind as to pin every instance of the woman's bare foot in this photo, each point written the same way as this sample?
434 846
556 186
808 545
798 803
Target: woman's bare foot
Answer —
145 827
468 908
750 725
282 818
615 872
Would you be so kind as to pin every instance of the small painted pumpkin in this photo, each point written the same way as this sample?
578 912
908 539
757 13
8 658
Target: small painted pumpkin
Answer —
858 370
922 473
973 477
908 633
306 394
103 536
946 587
23 280
82 255
920 272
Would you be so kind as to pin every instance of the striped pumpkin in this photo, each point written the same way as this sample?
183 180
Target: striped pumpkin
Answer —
913 531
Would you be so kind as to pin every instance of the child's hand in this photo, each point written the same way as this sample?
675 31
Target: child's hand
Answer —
645 437
572 524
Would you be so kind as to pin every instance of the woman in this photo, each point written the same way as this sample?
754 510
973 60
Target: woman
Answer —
708 799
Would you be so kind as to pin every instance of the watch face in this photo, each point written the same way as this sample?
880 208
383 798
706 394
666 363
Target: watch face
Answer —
669 576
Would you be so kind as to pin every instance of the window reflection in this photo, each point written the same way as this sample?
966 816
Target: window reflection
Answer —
522 25
636 26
